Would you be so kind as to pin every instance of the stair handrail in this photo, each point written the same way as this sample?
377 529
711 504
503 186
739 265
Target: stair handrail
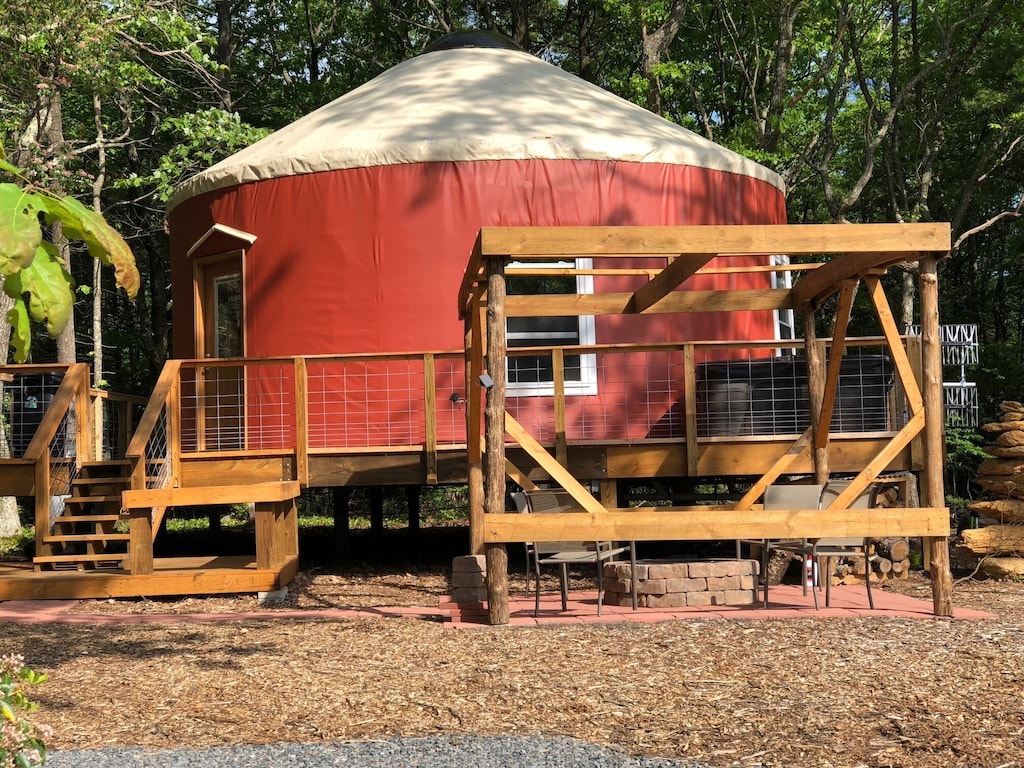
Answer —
159 400
73 384
71 393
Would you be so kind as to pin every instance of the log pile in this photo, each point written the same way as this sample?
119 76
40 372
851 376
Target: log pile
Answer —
889 559
1000 540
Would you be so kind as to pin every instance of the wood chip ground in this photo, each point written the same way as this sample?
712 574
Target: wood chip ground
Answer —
803 692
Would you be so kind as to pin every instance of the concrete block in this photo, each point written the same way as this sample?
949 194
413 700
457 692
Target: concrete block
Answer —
669 600
652 587
722 583
274 596
686 585
467 579
469 595
469 564
740 597
668 570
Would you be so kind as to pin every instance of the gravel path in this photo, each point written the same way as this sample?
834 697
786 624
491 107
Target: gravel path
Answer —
434 752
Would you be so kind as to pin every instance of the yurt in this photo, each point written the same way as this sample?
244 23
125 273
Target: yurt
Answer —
349 230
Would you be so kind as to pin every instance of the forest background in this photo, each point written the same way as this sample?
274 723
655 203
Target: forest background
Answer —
871 110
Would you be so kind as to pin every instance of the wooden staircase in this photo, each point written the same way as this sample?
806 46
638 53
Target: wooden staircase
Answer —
84 536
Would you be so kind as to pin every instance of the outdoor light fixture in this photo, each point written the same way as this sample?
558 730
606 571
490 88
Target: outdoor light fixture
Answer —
457 398
486 381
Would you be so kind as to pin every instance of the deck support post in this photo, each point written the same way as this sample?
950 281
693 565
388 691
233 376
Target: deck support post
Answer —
376 496
816 395
494 439
412 502
340 497
475 351
277 533
934 409
140 545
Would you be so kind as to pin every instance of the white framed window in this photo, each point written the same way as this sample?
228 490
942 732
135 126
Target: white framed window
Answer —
533 375
785 319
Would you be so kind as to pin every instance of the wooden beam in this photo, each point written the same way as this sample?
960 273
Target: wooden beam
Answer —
475 328
675 274
881 460
549 464
780 466
934 415
558 367
204 495
494 440
904 369
473 273
430 417
814 352
519 477
750 239
573 305
835 361
716 523
301 421
690 409
140 545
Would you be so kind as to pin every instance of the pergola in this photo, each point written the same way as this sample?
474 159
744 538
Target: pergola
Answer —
845 256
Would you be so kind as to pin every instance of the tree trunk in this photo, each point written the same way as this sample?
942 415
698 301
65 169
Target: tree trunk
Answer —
10 523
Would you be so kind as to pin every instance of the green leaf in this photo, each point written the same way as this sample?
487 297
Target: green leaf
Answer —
49 288
20 234
102 240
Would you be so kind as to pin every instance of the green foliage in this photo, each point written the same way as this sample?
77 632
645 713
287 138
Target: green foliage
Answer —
195 141
22 741
34 275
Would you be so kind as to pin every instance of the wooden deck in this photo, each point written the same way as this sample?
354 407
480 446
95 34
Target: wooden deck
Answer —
210 574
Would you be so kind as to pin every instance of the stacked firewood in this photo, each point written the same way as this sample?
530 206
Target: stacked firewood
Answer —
889 559
999 540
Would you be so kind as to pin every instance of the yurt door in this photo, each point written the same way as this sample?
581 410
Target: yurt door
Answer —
222 386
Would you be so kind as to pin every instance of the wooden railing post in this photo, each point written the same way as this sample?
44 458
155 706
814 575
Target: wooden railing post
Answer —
301 421
561 445
934 414
690 410
816 394
430 417
475 350
42 503
494 436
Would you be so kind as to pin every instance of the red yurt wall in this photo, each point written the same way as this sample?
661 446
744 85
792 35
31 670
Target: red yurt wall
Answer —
371 259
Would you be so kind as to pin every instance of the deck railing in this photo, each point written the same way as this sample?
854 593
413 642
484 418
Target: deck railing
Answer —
415 402
48 428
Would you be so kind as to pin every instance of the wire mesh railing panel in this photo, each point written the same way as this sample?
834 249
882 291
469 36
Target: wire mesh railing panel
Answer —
25 401
450 398
247 406
770 397
635 395
158 455
63 463
365 403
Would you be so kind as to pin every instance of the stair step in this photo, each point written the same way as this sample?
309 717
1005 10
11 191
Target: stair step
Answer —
90 481
67 538
106 463
75 519
115 557
91 499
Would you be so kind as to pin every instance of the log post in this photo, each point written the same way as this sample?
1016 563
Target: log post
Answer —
474 455
816 395
934 410
494 440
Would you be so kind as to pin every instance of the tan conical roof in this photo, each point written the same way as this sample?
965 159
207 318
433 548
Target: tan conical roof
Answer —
467 104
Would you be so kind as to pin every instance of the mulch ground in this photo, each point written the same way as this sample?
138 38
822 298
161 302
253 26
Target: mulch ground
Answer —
794 692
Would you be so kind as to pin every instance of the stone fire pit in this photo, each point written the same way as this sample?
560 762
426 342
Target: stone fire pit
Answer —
676 584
